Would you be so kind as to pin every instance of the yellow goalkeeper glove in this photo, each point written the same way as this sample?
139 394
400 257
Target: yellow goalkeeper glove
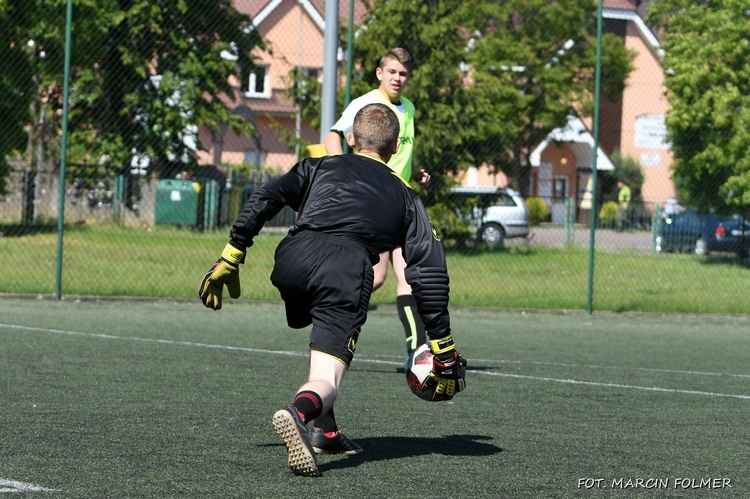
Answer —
225 271
448 369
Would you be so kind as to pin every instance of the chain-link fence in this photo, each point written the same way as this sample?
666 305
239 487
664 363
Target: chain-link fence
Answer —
179 110
129 201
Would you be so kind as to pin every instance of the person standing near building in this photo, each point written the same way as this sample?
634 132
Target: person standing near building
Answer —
623 202
393 73
671 208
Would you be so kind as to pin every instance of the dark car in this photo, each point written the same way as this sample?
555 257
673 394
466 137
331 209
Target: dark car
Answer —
702 234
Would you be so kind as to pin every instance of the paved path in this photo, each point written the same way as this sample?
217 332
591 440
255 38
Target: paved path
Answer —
609 240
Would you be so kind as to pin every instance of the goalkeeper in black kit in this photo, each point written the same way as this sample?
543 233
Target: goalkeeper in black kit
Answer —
350 208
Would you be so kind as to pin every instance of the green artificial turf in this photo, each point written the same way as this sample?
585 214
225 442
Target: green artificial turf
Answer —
169 399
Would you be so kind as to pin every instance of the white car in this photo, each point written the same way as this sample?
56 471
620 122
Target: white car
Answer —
501 213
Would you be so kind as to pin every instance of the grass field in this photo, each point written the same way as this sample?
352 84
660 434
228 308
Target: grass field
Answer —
168 399
169 263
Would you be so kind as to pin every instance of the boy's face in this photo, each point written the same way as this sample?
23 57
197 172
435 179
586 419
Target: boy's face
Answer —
393 77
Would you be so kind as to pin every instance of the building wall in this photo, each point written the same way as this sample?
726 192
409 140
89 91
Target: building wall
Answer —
643 106
634 123
482 176
237 149
294 39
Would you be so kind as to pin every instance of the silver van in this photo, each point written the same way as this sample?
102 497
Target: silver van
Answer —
500 213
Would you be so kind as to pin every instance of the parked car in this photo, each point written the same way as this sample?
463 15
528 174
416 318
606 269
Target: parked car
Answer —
703 234
499 213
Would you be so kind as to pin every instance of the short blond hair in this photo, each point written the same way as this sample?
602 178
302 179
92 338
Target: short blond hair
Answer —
375 129
398 54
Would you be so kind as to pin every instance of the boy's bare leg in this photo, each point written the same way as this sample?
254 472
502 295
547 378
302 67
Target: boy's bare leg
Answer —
313 398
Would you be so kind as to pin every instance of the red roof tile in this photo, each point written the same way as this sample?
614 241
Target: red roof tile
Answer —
253 7
620 4
250 7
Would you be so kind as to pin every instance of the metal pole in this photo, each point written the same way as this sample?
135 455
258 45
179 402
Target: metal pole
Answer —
64 150
330 67
597 89
298 119
349 57
39 153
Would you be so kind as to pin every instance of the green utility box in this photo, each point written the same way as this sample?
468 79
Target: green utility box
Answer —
177 202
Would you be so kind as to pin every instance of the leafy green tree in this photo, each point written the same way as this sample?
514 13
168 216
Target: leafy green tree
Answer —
490 79
708 87
629 171
162 69
19 53
538 70
145 74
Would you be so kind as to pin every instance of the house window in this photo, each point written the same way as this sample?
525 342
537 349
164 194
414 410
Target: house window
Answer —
251 157
305 74
560 188
544 184
258 84
311 72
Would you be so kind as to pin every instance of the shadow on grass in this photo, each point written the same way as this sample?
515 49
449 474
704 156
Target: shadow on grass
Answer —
386 448
479 249
19 229
726 259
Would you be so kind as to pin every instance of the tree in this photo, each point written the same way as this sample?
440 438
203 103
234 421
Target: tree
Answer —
18 53
490 79
145 74
629 171
541 56
164 70
708 87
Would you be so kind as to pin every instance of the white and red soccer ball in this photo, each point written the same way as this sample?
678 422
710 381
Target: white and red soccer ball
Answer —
418 368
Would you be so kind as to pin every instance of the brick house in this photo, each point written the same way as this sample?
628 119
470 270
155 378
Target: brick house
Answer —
634 124
294 30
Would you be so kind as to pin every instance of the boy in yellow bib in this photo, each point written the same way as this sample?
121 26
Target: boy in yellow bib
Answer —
393 73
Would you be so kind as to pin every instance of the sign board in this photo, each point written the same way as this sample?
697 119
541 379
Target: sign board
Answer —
650 132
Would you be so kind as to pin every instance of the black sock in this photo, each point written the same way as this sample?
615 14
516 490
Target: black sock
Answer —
326 422
412 322
308 404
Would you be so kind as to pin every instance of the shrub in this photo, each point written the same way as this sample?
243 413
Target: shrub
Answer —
448 224
537 209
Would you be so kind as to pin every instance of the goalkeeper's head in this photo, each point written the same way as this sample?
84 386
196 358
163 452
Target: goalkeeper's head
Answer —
375 130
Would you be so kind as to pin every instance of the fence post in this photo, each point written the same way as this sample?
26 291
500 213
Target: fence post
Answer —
119 199
655 226
209 205
569 224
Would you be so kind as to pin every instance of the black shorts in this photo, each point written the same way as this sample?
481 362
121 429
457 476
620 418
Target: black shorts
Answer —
325 281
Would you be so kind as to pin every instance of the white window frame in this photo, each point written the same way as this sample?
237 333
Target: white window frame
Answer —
252 84
566 183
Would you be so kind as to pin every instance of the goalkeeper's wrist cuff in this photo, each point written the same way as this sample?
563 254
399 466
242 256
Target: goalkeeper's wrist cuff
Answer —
232 255
442 345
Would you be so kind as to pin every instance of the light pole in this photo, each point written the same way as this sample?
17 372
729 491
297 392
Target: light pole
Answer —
330 67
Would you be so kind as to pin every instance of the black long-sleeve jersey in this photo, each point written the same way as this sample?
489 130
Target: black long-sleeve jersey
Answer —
359 198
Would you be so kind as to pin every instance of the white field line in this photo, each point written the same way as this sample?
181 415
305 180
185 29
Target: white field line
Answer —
620 368
14 486
617 385
362 358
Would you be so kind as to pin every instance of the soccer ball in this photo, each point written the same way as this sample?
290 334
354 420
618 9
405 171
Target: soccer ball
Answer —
418 368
